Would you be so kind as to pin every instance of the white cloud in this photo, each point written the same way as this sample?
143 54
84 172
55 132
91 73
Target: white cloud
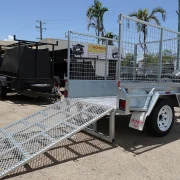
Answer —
10 38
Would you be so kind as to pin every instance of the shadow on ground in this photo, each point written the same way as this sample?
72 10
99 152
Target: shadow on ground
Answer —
78 146
82 145
25 100
139 142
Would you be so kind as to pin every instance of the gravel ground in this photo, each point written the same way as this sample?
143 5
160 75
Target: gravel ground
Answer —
134 156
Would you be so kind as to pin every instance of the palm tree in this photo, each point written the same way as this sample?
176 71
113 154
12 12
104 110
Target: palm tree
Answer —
95 15
112 36
143 14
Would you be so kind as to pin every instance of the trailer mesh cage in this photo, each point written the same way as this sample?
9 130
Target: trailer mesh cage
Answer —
151 52
148 53
91 57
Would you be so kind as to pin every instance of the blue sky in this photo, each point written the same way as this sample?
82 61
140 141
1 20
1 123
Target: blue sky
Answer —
19 16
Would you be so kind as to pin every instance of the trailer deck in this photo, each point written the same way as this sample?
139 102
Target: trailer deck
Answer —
104 101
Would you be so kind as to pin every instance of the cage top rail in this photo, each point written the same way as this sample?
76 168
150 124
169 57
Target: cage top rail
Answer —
149 42
27 43
98 37
146 23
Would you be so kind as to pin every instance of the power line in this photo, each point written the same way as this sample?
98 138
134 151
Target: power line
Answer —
40 27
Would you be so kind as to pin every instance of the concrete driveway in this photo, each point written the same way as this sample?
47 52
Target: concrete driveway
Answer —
134 156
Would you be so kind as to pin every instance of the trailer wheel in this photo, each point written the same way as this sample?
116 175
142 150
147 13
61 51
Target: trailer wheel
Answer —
160 122
3 92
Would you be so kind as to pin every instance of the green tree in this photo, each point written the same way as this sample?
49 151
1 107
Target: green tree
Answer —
112 36
145 15
168 57
151 61
167 52
128 60
95 15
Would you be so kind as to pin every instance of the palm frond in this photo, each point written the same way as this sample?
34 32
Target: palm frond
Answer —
133 14
141 14
95 15
155 19
145 15
104 9
160 10
92 25
97 4
89 12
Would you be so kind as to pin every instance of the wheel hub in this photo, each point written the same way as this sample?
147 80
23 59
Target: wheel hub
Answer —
164 118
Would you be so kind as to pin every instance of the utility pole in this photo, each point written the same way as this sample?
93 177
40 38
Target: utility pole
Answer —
178 50
178 13
40 27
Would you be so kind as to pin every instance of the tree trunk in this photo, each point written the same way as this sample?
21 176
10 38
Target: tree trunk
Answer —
98 25
145 36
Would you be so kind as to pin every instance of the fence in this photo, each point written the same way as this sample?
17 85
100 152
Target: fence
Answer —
91 57
151 53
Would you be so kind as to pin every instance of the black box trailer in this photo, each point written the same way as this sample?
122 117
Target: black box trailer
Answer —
27 69
60 64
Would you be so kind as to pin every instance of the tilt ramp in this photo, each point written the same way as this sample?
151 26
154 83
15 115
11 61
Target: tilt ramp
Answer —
31 136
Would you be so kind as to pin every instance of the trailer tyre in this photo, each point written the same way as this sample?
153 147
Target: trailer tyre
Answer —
161 120
3 92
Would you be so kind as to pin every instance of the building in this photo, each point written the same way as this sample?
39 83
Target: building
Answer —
62 44
5 43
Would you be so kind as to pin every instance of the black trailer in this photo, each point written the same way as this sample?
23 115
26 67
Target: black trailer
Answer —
28 70
60 64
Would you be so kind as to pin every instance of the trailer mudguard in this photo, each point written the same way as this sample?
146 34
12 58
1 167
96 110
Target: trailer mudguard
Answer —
138 119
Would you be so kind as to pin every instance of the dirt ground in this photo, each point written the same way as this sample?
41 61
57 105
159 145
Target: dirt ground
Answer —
134 156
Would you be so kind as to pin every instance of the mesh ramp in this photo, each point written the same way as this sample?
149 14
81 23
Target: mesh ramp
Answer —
31 136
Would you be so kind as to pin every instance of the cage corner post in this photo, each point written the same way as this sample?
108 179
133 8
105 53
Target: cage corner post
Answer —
178 52
160 55
120 21
134 62
69 56
120 46
106 60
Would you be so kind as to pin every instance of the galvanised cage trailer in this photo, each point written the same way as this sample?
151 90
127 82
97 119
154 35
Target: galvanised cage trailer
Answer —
137 75
143 80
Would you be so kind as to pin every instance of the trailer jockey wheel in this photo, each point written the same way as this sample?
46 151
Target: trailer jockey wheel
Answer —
160 122
3 92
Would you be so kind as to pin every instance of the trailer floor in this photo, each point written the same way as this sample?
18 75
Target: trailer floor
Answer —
105 101
135 156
